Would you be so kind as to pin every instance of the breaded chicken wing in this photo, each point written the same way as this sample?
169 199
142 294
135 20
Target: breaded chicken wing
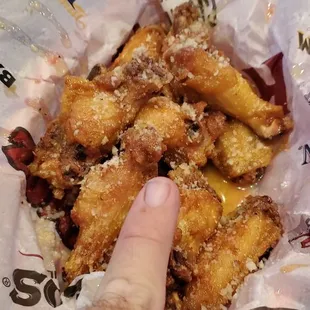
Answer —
232 253
199 66
95 112
187 131
203 129
199 216
240 154
187 28
167 118
62 164
106 195
186 24
149 37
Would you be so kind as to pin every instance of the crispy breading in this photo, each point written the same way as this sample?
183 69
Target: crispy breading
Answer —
202 130
149 37
240 154
62 164
187 131
196 64
187 29
200 212
95 112
232 253
167 118
184 16
106 195
186 24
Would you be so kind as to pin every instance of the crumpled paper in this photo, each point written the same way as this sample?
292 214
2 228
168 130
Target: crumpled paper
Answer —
268 41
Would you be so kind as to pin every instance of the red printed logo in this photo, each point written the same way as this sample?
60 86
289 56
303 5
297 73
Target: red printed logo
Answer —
299 238
19 155
276 90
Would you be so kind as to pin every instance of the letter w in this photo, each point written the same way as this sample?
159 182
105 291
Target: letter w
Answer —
304 43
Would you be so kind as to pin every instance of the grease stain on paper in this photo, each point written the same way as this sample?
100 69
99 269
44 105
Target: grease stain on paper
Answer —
17 34
270 11
4 133
10 92
46 13
292 267
39 105
52 58
76 12
58 63
298 70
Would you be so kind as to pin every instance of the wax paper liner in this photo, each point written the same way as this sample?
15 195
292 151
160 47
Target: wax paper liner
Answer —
41 42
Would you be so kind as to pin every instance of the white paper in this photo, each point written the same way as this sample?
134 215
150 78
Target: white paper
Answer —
250 32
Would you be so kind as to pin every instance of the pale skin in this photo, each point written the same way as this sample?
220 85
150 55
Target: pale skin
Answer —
136 275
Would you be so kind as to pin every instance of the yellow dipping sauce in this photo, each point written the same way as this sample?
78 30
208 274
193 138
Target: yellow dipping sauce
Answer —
230 193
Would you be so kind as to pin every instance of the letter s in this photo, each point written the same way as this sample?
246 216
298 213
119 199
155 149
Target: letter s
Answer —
33 293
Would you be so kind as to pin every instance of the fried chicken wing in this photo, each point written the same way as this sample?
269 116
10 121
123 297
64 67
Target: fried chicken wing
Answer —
232 253
198 65
149 37
187 29
106 195
167 118
240 154
199 215
203 130
186 24
95 112
62 164
187 131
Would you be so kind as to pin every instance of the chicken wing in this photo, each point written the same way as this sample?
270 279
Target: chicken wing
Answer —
62 164
203 130
199 216
167 118
187 131
106 195
95 112
240 154
198 65
149 37
186 24
232 253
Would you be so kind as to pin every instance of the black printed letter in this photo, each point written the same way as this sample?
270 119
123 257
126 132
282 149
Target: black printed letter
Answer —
306 154
7 78
33 293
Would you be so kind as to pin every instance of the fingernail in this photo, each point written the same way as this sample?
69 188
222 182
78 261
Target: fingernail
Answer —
156 193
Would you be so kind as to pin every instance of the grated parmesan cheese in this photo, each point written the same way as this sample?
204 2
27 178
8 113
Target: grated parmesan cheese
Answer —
189 111
113 80
114 150
227 292
105 140
190 75
250 265
261 264
139 51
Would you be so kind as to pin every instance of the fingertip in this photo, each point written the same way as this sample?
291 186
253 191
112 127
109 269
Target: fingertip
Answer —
160 192
142 250
174 187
